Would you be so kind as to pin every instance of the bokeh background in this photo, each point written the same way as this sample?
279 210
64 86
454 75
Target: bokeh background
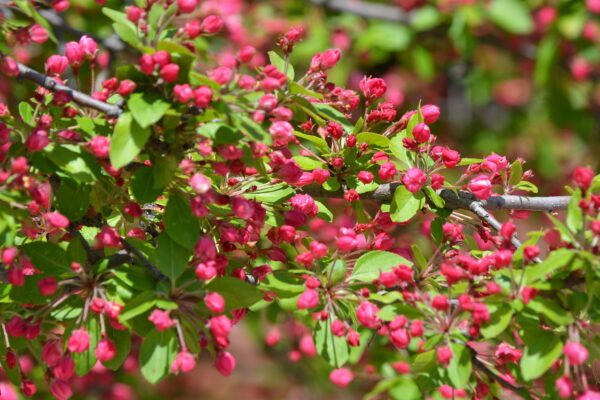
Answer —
515 77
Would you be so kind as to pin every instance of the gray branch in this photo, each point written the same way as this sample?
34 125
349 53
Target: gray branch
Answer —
111 110
367 10
461 199
145 262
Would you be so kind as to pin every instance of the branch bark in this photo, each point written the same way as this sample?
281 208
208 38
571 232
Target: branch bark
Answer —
478 364
142 258
111 110
367 10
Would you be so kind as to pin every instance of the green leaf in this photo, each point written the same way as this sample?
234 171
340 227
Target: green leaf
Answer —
516 173
48 257
163 171
556 260
308 163
399 388
272 194
143 185
84 362
172 259
147 108
550 310
384 36
500 316
26 113
157 353
137 306
126 30
316 140
279 62
369 265
180 223
252 129
459 368
332 348
405 204
545 59
283 283
373 139
122 340
399 151
237 293
72 199
78 163
574 213
324 212
435 198
128 140
540 354
511 15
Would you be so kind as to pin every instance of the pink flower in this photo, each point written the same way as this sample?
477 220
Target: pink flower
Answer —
341 377
387 171
282 132
212 24
37 33
74 54
187 6
400 338
64 368
366 313
61 389
308 299
450 158
133 13
220 326
421 132
307 346
199 183
583 177
161 320
108 237
9 66
100 147
105 350
305 204
56 220
273 337
56 64
47 286
225 363
37 141
372 88
170 72
202 96
147 64
79 341
431 113
593 6
576 353
51 353
215 302
184 362
89 46
126 87
414 179
325 61
183 93
444 354
481 187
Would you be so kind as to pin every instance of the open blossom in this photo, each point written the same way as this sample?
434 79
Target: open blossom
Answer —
305 204
372 88
387 171
326 60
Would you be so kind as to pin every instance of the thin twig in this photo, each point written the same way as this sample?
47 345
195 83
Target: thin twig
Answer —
477 363
367 9
477 208
111 110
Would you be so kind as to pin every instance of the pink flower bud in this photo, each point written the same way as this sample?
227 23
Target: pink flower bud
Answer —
481 187
8 255
421 132
133 13
308 299
583 177
108 237
37 141
440 302
51 353
47 286
74 53
388 170
444 354
147 64
202 96
161 58
161 319
187 6
126 87
56 220
341 377
199 183
184 362
105 350
212 24
564 386
89 46
79 341
28 388
100 147
8 66
246 54
60 389
220 326
56 64
593 6
282 132
576 353
37 33
183 93
366 314
215 302
225 363
372 88
430 113
170 72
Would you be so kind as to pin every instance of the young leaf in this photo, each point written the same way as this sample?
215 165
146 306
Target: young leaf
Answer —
237 293
332 348
157 353
180 223
540 354
405 204
127 141
459 369
369 265
172 259
146 108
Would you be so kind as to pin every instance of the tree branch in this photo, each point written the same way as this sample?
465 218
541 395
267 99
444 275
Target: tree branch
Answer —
367 10
111 110
142 258
477 363
461 199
